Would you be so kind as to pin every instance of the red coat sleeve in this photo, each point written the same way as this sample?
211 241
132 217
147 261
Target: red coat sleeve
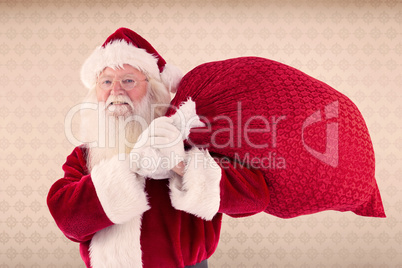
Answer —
243 191
213 184
73 202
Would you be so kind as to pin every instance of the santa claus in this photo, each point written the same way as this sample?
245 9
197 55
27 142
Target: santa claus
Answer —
134 195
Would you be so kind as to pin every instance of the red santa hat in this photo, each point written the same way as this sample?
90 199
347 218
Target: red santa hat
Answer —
127 47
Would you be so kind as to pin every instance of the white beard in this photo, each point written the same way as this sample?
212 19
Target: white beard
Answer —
109 132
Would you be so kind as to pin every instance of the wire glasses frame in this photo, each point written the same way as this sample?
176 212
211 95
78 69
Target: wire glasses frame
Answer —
127 84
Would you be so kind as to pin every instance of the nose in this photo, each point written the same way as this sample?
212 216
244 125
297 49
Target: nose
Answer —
117 88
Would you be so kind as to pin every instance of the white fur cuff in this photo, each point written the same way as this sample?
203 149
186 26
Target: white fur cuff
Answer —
120 191
198 192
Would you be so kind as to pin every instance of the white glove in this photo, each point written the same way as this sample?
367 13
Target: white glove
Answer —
158 149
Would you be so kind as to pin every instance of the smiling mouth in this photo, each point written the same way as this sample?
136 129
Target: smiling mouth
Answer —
118 103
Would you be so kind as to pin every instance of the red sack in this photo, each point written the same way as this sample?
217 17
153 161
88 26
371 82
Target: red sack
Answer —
310 141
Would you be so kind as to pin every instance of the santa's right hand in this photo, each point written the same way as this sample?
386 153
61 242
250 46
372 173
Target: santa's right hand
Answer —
145 161
158 149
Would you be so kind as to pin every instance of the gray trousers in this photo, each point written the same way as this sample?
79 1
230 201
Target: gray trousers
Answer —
203 264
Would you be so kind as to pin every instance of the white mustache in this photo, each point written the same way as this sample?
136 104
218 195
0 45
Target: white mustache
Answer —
119 99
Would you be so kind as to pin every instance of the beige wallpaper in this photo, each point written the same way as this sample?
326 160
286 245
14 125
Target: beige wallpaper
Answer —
355 46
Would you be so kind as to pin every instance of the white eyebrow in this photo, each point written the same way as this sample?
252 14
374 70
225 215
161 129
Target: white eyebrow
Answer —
123 76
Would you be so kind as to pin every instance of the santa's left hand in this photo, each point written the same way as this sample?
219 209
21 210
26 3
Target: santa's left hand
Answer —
158 149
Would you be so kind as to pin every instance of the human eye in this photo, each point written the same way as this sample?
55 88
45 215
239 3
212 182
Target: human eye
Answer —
106 82
128 81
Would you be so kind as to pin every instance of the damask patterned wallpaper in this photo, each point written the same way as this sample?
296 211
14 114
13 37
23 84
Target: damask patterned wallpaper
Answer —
354 46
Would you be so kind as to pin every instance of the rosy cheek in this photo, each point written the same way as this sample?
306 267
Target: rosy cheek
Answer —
136 96
101 96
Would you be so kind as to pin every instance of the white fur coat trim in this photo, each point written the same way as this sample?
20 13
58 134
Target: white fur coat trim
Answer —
198 191
120 191
117 246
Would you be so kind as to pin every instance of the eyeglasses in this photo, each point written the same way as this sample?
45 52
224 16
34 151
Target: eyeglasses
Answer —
127 83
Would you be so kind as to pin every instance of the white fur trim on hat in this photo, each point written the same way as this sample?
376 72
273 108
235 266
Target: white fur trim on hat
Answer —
171 77
115 54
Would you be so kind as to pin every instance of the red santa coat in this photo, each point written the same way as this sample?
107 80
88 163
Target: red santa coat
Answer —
123 220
